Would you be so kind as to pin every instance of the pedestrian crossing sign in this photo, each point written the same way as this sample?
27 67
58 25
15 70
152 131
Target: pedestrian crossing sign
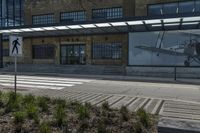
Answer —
15 45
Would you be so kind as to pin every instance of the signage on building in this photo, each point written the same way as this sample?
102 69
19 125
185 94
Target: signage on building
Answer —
15 45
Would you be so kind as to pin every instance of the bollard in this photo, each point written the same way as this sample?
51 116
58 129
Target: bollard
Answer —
175 73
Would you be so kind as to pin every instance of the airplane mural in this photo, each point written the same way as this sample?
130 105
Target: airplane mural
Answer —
190 49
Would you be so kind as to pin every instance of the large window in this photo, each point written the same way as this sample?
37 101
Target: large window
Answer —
43 19
73 16
11 13
191 6
107 50
107 13
43 51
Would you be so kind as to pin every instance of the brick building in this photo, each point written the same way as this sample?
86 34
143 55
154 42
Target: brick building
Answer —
99 45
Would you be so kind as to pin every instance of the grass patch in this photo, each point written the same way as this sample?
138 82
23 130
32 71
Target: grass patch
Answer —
60 115
34 114
144 117
43 103
19 117
44 128
83 112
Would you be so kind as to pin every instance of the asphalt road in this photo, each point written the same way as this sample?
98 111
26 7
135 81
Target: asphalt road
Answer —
141 89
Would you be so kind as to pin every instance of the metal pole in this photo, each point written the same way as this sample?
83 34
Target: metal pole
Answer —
15 74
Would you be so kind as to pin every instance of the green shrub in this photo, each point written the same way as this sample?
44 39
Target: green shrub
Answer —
88 105
138 127
101 128
106 106
60 115
144 117
1 99
124 113
60 102
43 103
14 101
29 99
83 112
44 128
19 117
32 112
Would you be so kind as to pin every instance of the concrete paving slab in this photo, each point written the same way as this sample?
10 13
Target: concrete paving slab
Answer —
167 125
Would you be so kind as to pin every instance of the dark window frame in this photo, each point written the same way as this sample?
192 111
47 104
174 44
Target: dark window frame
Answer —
107 51
46 20
80 11
44 51
109 8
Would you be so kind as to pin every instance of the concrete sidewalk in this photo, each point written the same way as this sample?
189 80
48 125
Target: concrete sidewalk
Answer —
191 81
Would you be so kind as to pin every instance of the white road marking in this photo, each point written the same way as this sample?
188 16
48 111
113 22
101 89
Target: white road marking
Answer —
47 78
41 82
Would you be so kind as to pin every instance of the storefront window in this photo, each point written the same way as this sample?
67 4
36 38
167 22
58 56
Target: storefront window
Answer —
43 51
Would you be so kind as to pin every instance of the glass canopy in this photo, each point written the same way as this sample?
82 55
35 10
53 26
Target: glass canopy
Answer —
137 24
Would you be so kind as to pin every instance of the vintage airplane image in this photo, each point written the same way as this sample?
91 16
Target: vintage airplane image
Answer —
190 49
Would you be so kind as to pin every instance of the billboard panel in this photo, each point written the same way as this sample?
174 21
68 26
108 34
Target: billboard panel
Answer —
165 48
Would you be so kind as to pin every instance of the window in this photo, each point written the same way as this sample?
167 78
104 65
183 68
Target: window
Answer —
155 10
11 13
186 7
5 52
43 19
107 51
43 51
171 8
191 6
73 16
107 13
197 6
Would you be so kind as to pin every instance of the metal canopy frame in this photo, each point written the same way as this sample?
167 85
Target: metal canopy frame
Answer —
135 24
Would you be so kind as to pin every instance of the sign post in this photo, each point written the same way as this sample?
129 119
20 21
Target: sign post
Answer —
15 46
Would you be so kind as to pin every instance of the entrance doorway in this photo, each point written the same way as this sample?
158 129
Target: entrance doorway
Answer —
73 54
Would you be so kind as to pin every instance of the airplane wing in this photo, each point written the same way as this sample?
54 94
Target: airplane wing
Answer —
163 51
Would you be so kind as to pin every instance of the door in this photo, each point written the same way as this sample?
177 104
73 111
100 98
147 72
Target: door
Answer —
73 54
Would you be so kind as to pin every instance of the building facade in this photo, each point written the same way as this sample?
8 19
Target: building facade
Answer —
82 49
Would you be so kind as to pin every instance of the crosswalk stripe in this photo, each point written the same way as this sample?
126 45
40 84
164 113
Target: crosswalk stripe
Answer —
35 80
47 78
41 82
38 83
32 86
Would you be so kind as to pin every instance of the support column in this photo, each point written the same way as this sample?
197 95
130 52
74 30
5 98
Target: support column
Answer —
1 51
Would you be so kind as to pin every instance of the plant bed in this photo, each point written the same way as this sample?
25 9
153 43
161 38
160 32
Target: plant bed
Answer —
31 114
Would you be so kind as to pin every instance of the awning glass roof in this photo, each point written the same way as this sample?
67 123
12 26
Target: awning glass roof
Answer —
136 24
